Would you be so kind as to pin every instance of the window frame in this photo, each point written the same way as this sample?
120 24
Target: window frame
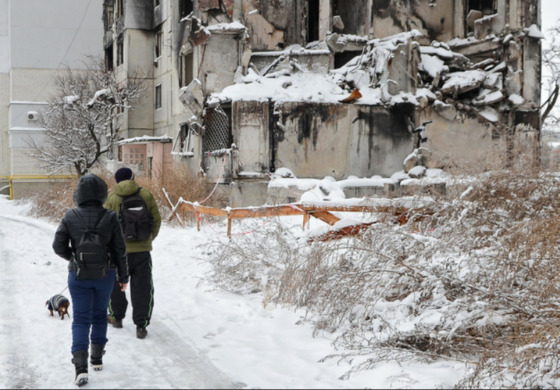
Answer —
158 97
120 52
186 62
158 46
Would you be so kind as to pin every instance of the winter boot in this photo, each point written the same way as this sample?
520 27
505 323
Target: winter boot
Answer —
116 323
141 333
81 364
97 353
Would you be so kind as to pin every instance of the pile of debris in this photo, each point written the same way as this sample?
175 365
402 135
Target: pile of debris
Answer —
397 70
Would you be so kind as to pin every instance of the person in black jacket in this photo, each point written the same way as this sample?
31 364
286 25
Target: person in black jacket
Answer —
90 298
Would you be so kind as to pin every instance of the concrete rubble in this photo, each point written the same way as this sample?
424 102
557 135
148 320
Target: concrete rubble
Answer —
279 70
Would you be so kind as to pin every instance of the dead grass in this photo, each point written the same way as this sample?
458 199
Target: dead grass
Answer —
53 203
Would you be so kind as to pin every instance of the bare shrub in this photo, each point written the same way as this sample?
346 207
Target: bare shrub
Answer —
177 180
53 203
475 280
248 265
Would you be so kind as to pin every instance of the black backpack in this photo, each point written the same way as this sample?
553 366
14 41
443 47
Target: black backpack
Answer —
92 256
136 221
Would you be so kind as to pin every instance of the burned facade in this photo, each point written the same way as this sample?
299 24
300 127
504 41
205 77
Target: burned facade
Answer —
261 82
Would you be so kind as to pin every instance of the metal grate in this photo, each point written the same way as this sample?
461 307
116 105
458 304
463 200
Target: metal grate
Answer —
216 136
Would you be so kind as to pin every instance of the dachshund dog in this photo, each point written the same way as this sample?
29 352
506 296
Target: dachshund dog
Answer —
58 303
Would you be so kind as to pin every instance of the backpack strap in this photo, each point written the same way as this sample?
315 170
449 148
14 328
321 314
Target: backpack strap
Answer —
123 198
101 215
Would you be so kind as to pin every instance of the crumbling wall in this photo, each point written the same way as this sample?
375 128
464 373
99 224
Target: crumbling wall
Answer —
466 138
355 16
434 18
222 57
139 14
317 140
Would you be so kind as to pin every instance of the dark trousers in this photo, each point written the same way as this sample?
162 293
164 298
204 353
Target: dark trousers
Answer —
90 299
141 291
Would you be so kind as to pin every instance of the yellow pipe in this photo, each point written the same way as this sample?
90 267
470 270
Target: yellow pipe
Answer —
23 177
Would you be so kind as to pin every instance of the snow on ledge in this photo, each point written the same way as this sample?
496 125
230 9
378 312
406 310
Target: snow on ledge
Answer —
534 32
232 27
163 139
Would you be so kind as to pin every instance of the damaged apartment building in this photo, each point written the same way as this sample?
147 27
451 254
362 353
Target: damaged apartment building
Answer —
238 89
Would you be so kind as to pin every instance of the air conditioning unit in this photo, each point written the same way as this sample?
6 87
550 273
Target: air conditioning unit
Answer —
32 116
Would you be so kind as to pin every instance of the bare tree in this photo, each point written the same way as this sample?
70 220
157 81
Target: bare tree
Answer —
551 61
81 123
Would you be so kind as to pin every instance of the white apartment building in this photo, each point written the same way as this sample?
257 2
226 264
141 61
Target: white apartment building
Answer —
37 40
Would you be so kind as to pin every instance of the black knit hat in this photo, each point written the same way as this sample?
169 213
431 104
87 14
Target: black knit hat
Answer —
124 174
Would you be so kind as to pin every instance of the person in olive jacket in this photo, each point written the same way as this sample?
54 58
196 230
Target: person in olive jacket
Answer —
90 298
139 259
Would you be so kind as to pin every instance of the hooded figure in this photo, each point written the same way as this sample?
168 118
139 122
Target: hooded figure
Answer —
90 298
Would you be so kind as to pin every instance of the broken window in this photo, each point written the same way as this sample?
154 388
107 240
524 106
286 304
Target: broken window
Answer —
217 136
187 140
476 9
120 8
186 70
341 59
313 20
120 52
109 58
159 41
484 6
158 103
184 142
186 7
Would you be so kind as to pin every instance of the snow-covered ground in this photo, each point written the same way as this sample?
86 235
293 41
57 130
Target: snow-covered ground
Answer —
199 338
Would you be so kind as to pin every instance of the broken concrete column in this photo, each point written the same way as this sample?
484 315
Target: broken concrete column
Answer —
403 69
193 97
238 11
472 17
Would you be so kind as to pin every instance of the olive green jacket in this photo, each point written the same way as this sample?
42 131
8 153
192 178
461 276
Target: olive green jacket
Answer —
128 188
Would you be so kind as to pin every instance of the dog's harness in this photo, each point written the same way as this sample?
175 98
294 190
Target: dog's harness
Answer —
55 302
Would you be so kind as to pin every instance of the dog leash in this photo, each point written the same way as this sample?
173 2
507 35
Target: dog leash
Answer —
66 288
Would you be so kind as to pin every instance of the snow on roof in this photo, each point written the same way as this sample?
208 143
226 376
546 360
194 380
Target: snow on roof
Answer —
145 139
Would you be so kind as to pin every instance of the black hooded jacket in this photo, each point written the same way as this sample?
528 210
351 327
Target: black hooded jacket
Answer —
89 197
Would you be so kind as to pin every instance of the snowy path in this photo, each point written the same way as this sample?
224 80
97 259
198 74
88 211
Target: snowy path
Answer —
35 348
199 337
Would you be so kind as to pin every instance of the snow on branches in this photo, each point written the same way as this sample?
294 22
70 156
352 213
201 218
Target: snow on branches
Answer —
81 123
475 280
551 62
